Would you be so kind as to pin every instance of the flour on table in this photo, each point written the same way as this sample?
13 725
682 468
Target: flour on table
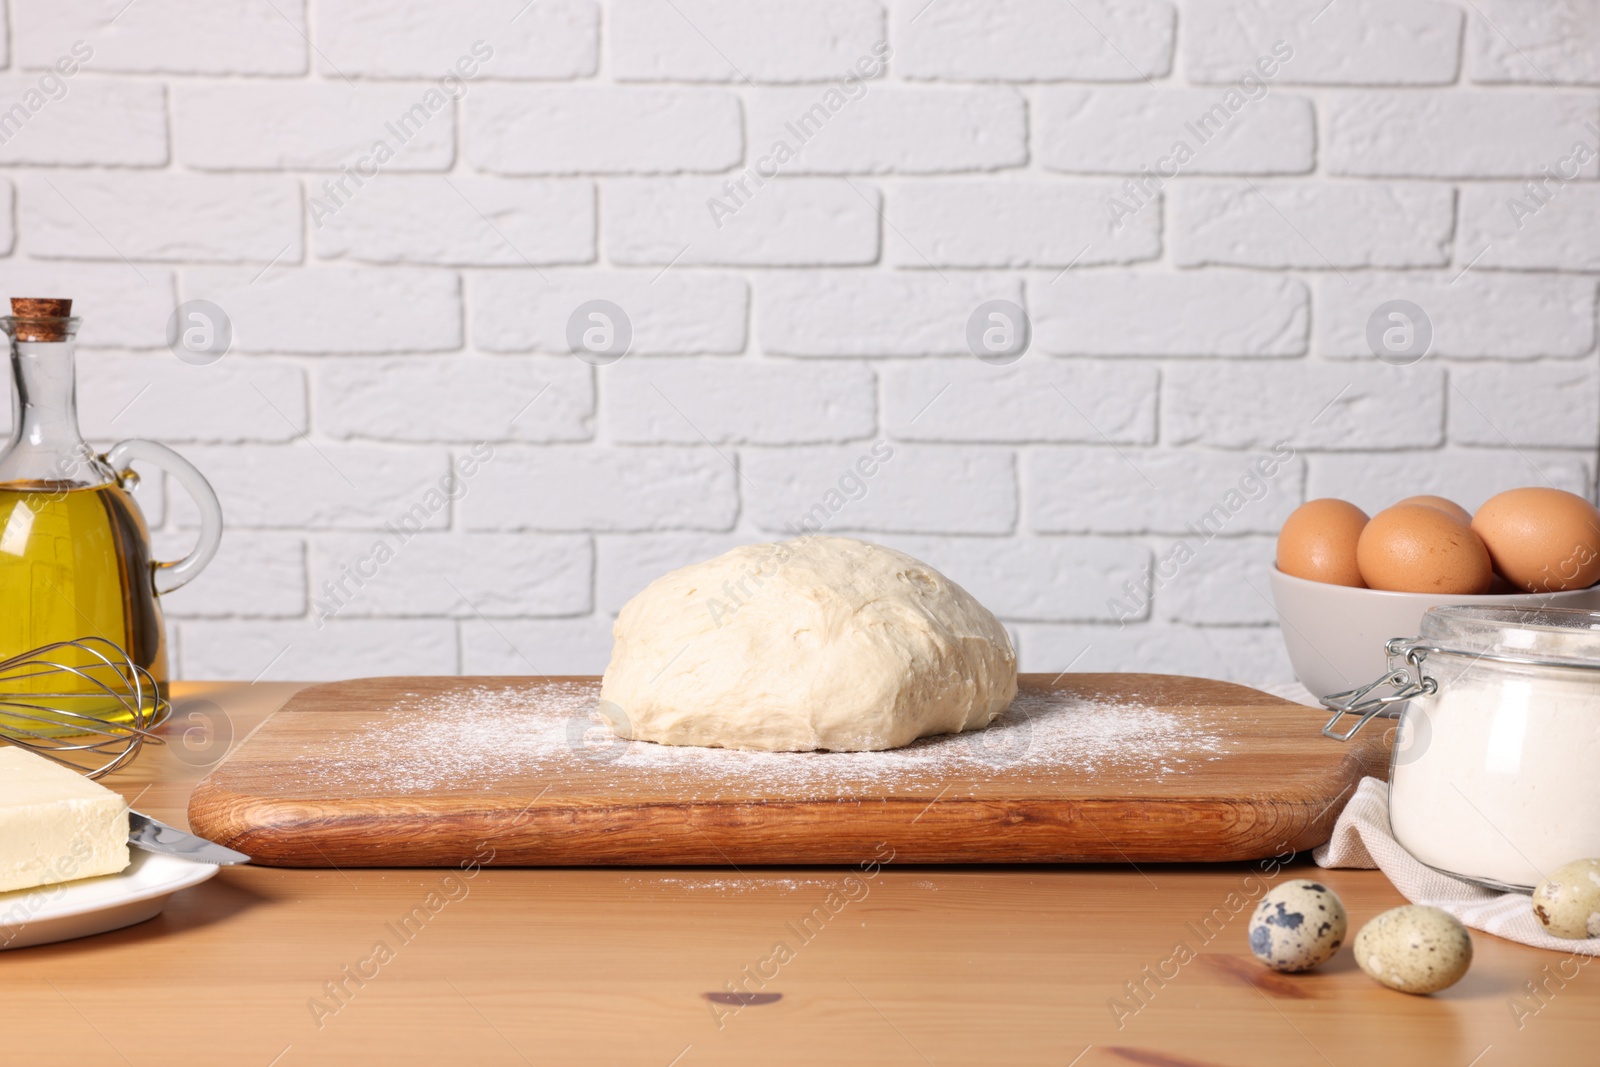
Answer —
732 886
488 738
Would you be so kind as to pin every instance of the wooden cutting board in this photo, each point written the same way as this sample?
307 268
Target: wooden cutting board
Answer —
518 771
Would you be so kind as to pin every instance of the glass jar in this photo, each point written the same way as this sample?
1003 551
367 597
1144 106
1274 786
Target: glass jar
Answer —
76 567
1495 772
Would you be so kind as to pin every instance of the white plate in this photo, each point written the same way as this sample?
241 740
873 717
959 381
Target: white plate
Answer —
94 905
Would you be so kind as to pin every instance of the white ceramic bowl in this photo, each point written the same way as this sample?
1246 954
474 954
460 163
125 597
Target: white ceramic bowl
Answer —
1335 634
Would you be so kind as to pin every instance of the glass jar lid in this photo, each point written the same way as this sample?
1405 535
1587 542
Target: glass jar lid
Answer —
1554 637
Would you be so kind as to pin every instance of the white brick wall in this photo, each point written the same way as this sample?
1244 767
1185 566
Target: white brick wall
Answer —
916 489
1550 43
672 313
1118 131
334 309
473 398
1169 313
469 221
1354 42
300 126
1033 40
942 400
1152 490
787 222
1334 407
1315 225
1554 405
691 401
611 489
740 40
1469 476
602 130
550 40
799 206
1012 224
895 130
1476 315
461 575
254 37
1456 133
97 121
131 306
1503 225
873 313
232 218
150 395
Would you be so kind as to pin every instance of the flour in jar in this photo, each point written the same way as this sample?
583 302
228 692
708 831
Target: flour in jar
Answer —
1497 775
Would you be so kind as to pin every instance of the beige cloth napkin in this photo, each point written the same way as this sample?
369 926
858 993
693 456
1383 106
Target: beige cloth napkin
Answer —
1361 838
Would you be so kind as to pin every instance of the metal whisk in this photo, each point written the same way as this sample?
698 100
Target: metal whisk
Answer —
84 704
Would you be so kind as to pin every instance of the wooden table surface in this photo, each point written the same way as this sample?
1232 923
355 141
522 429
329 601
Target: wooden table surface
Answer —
888 964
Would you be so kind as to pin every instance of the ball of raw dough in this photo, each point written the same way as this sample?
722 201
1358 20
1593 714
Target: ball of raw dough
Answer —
1297 925
1415 949
817 643
1567 903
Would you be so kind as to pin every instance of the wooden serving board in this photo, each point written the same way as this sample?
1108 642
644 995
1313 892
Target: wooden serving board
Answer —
516 771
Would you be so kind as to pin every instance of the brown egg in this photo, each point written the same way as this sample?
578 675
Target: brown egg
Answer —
1542 540
1414 548
1318 542
1448 506
1501 587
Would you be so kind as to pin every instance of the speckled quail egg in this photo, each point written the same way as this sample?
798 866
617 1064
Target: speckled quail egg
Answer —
1567 903
1415 949
1297 925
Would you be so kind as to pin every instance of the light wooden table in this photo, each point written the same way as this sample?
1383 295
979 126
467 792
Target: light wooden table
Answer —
907 966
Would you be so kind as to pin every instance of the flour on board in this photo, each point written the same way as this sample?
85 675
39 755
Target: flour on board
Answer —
488 737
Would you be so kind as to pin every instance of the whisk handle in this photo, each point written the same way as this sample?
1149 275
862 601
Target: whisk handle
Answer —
170 576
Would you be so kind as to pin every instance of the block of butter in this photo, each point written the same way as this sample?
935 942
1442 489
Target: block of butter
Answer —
55 824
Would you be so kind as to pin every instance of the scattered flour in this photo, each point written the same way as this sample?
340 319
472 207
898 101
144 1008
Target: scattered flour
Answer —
754 883
492 739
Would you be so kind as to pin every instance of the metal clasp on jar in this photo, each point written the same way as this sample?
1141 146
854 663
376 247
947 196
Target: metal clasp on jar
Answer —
1407 681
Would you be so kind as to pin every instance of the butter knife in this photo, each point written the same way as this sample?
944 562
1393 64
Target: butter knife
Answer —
152 835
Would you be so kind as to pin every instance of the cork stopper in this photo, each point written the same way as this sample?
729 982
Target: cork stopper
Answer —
41 318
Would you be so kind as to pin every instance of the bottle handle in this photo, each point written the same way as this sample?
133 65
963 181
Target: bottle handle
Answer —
170 576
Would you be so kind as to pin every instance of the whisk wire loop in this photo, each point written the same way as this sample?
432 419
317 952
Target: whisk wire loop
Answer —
93 717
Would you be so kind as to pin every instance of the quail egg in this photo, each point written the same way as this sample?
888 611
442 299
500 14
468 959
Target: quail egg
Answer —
1415 949
1567 903
1297 925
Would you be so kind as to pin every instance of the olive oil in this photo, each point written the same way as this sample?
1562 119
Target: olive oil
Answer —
75 562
